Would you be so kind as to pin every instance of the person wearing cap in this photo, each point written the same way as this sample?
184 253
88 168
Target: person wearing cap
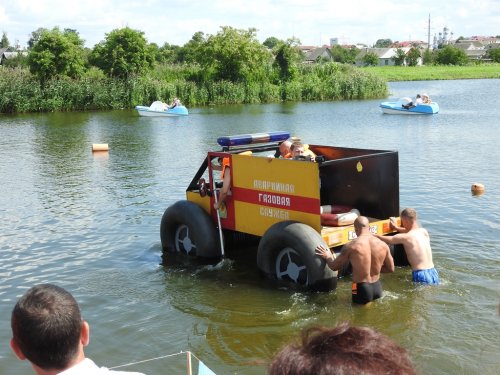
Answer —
426 99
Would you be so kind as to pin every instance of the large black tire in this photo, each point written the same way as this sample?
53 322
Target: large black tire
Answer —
186 228
286 252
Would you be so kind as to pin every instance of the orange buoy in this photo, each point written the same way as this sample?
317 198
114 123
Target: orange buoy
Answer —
477 188
100 147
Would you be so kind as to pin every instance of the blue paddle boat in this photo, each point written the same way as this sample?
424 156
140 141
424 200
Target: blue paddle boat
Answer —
161 109
400 107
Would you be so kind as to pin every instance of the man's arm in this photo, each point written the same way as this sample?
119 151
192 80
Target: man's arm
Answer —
335 263
388 265
394 225
392 240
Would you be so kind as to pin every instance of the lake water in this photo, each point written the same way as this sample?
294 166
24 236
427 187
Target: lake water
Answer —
90 223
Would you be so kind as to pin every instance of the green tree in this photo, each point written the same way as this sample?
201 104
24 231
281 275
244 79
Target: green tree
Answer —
370 59
287 59
271 42
35 36
123 52
383 43
427 57
4 43
344 55
234 55
450 55
413 56
400 57
57 53
353 51
191 51
494 54
168 53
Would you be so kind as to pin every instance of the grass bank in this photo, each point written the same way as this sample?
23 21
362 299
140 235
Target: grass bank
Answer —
435 72
21 92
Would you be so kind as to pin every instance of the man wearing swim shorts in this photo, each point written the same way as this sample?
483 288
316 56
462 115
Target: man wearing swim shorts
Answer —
368 256
362 293
416 243
428 276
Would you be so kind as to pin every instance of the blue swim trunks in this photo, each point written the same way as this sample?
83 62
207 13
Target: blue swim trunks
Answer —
429 276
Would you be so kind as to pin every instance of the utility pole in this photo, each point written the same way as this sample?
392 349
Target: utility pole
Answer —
429 33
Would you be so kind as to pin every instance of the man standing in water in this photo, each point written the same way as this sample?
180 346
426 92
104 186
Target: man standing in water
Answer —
416 243
368 256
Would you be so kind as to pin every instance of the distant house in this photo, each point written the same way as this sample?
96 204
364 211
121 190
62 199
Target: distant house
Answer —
484 40
4 55
306 49
386 56
410 43
474 50
316 54
2 51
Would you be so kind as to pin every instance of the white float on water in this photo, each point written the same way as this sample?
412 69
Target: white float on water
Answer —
100 147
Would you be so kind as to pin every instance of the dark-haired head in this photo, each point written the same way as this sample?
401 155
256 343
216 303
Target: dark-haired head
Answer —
342 350
46 326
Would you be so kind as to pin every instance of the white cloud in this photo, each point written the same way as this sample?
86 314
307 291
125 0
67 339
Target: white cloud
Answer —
312 21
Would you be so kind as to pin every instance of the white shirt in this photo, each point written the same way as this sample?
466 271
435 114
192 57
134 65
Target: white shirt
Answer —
88 367
418 101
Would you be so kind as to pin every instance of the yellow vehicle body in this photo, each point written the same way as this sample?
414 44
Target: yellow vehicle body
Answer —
265 191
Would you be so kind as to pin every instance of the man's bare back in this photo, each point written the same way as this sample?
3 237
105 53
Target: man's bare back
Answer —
368 257
366 254
417 245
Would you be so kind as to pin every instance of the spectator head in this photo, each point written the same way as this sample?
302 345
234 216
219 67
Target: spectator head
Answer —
342 350
47 327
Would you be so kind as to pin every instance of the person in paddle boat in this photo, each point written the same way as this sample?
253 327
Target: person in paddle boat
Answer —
426 99
49 332
176 102
418 100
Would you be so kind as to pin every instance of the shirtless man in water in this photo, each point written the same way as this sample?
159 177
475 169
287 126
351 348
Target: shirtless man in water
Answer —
416 243
368 256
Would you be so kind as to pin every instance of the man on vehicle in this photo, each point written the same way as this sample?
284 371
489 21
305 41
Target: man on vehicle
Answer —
416 243
284 149
368 256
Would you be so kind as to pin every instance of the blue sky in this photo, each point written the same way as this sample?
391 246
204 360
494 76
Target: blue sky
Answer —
314 22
